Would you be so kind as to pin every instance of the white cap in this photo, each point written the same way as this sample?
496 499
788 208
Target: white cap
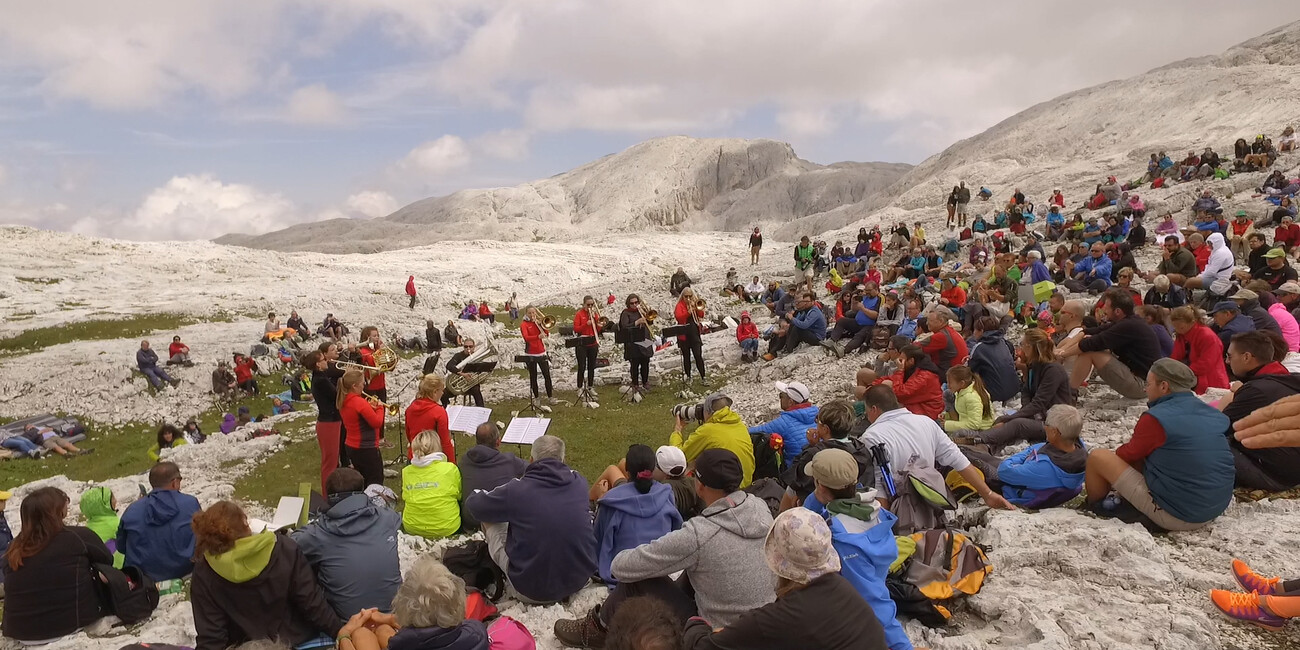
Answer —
794 390
671 460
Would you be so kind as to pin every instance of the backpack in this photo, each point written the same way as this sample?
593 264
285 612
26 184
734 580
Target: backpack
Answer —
506 633
128 592
767 454
478 607
880 338
70 428
474 565
922 502
966 234
946 564
259 350
770 491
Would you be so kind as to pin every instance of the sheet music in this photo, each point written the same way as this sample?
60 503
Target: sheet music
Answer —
286 514
467 418
524 431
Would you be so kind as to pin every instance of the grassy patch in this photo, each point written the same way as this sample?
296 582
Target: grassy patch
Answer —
94 330
561 314
123 451
39 280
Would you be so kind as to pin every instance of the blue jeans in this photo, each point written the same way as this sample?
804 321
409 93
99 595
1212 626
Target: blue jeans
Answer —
156 376
749 345
20 445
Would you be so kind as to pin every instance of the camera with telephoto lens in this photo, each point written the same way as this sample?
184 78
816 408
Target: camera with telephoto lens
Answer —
689 412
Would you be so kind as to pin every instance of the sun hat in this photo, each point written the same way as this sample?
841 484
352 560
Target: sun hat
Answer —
794 390
798 548
671 460
834 468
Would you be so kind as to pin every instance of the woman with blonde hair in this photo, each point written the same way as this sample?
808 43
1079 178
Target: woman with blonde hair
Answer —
535 351
364 426
427 414
972 408
1200 348
431 490
430 609
252 586
1046 384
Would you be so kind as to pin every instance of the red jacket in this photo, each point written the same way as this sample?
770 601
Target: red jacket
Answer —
1202 256
1057 200
410 287
1202 350
244 369
484 310
956 296
922 394
746 330
363 423
374 381
584 326
176 348
1287 236
423 415
683 316
532 333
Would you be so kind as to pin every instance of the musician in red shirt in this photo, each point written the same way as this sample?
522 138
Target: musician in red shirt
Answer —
535 350
376 383
585 324
690 343
363 423
427 414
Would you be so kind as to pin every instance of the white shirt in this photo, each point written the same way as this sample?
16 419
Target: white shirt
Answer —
755 288
911 441
1291 361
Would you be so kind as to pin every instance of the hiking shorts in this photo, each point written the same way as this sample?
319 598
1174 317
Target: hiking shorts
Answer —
1132 486
806 274
1122 380
961 207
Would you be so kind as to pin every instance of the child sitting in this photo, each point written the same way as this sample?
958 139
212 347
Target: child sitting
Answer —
747 336
972 410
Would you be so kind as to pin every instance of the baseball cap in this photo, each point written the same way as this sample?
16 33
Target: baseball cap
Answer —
834 468
1245 294
1242 213
1274 253
1288 287
1225 305
1178 374
794 390
719 469
671 460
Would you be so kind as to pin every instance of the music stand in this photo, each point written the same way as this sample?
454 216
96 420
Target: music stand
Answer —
579 341
677 330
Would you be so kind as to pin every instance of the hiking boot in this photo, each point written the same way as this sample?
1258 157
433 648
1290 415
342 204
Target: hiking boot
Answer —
1245 608
769 356
552 401
1251 581
834 347
83 452
585 632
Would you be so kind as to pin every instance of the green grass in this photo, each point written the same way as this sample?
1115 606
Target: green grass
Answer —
94 330
39 280
561 313
123 451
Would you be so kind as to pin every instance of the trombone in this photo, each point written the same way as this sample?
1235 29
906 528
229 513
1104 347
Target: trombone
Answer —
650 316
392 408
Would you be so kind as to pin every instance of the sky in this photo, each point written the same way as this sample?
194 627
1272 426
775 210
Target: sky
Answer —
157 121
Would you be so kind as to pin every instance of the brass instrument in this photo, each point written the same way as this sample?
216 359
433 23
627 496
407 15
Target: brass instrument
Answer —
696 309
548 323
385 361
458 384
650 316
598 322
393 408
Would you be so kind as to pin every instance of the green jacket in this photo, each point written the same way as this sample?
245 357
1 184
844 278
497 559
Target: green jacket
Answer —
723 430
431 493
156 451
803 256
97 508
970 412
247 560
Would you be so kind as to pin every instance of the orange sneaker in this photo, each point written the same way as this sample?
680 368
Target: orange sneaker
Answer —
1251 581
1245 608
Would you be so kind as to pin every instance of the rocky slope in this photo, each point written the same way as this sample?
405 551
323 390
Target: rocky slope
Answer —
674 183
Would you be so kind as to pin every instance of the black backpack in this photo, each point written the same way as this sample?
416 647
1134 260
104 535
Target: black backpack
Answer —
767 461
474 565
128 592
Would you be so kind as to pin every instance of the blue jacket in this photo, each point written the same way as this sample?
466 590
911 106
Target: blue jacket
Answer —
155 534
146 359
550 543
1055 219
625 519
1191 475
793 426
1100 267
1028 476
468 635
908 328
352 548
865 543
993 359
813 320
862 319
1038 272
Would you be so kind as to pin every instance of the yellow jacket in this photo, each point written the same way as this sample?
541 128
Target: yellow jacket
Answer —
970 412
723 430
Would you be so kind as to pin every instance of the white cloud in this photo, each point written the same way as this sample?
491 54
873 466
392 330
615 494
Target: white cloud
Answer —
507 144
372 203
440 156
807 122
316 105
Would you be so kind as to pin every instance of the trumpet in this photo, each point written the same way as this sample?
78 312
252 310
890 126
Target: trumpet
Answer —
392 408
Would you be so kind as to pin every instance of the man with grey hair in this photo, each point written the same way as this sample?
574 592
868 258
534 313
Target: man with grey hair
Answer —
1046 474
1176 472
538 527
485 467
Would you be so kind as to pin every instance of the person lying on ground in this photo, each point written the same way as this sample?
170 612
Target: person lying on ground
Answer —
1045 474
431 490
250 586
168 437
799 551
1176 471
352 547
721 553
50 441
1261 380
155 533
147 361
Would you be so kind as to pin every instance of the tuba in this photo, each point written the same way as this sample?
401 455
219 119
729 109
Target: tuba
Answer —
458 384
385 361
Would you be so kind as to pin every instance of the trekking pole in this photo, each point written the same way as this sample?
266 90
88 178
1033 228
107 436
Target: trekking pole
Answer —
882 461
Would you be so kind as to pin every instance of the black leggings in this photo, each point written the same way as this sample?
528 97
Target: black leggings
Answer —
545 365
640 371
692 347
586 364
369 462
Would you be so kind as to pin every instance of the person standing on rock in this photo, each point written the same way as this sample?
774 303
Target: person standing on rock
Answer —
952 206
963 200
410 290
804 262
755 244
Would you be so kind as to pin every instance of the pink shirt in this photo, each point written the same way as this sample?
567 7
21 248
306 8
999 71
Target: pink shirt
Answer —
1290 329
